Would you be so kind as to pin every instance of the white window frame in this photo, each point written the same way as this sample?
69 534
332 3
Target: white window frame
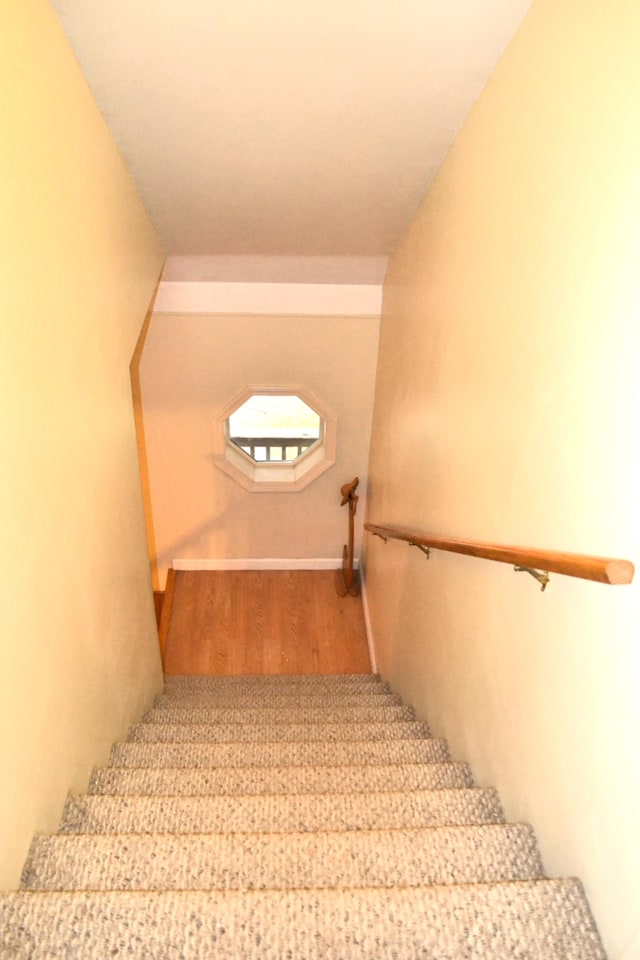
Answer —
274 476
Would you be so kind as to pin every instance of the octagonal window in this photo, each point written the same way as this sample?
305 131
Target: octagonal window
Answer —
276 428
271 439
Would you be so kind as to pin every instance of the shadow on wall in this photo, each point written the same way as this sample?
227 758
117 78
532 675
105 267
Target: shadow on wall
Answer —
194 542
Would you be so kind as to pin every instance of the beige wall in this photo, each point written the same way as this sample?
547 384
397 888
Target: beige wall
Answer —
192 366
78 264
506 411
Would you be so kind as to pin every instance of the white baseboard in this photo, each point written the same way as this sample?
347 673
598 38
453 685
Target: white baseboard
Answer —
367 625
263 563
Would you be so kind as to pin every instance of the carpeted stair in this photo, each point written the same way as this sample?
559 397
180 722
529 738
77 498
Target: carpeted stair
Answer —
289 817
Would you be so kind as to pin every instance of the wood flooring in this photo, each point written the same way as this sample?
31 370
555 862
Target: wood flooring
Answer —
263 622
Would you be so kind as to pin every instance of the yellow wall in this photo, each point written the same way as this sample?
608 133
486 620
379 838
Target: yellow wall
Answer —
506 411
191 367
78 264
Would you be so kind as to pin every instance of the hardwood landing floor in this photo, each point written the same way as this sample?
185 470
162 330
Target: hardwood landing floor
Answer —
236 622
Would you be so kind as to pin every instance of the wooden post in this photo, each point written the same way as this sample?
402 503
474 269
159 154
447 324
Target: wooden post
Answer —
347 580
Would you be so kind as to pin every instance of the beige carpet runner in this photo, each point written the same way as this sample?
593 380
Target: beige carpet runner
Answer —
289 817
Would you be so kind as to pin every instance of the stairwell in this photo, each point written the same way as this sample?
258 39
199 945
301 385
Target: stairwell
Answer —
289 817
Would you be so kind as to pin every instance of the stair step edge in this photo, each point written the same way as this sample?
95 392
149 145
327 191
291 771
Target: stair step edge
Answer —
282 779
275 753
278 732
278 860
281 812
540 916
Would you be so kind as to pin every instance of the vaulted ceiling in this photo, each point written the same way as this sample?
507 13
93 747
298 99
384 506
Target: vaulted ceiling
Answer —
285 128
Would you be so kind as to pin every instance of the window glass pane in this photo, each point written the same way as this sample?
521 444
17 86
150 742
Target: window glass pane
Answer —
264 421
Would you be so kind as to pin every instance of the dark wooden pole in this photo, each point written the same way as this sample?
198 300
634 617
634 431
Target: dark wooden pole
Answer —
347 580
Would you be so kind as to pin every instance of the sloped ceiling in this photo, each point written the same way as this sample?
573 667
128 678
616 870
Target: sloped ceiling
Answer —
285 128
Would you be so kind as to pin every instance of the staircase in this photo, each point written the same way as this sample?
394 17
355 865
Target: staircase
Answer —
289 817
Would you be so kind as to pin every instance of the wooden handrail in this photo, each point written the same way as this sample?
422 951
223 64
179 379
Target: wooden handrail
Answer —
601 569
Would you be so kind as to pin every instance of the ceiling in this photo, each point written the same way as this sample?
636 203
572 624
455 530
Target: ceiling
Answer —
285 129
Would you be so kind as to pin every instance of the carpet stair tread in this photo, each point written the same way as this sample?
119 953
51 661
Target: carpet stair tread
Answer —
282 732
328 714
275 753
280 812
327 681
300 817
476 854
537 920
277 696
229 781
